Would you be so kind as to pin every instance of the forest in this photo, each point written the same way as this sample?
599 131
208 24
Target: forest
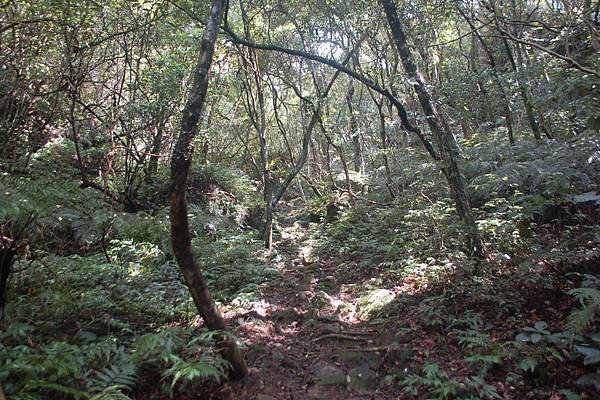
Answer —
283 199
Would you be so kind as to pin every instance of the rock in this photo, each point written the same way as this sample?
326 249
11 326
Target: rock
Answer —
373 302
363 377
356 357
314 217
317 393
330 376
321 299
288 315
305 295
402 338
333 211
589 381
255 218
328 317
277 355
400 358
264 397
350 356
308 279
331 328
306 255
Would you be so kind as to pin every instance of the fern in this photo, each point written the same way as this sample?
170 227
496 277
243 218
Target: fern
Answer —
472 338
55 387
205 367
114 392
158 347
435 381
579 320
122 374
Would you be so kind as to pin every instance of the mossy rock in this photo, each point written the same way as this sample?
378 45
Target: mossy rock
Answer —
371 304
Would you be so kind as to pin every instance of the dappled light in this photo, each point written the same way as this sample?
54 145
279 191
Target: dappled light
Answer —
284 200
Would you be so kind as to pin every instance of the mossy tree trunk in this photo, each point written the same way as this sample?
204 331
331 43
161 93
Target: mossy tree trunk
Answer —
448 148
180 226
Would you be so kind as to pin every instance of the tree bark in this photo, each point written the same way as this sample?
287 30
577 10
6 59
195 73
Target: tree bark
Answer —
523 91
385 147
308 133
255 103
353 128
180 226
495 78
448 148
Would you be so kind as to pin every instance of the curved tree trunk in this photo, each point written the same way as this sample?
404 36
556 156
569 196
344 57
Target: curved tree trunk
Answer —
495 77
308 134
180 227
448 148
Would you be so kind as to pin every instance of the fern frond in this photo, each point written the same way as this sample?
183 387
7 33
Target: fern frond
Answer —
121 374
579 320
56 387
114 392
205 367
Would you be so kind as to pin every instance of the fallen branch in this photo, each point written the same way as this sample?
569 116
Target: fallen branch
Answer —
382 349
337 336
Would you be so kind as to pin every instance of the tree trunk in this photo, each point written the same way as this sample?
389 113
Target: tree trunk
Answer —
180 226
495 78
523 91
448 148
155 152
306 140
268 191
7 254
255 103
301 160
389 182
353 128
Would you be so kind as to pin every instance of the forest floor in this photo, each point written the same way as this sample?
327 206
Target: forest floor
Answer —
379 302
315 334
305 339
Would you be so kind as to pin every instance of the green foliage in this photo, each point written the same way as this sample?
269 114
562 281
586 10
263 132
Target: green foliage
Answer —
434 383
103 370
534 334
589 299
192 370
121 375
592 355
235 267
233 181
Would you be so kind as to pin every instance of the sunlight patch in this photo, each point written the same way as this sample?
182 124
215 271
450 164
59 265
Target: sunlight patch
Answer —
371 304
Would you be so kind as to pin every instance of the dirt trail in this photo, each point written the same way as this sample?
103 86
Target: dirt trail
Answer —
304 340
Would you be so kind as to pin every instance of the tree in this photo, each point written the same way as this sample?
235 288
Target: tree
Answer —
180 226
445 140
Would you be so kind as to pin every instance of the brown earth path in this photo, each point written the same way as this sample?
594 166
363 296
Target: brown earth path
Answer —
305 339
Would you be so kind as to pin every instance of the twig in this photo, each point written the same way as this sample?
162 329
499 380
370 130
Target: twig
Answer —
374 349
356 333
337 336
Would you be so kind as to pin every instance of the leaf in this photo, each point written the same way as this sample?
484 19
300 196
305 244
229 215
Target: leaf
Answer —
557 338
569 395
589 380
527 364
592 356
69 391
586 197
523 337
540 325
536 338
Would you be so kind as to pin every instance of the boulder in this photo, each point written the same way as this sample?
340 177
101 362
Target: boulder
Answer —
329 375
